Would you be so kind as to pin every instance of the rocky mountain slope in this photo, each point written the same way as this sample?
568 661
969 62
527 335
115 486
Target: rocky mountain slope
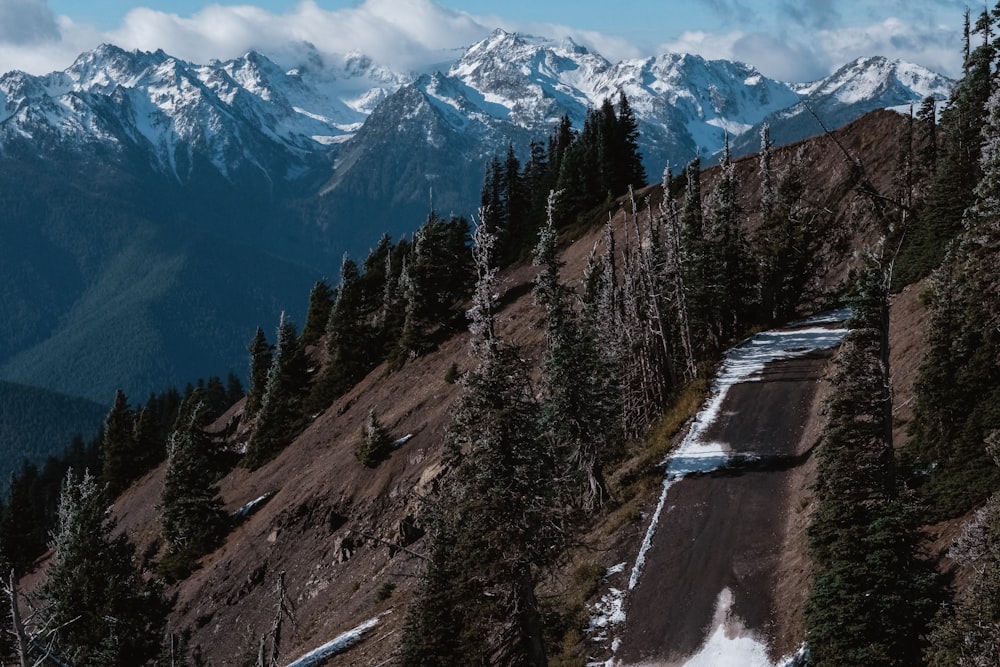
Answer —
347 537
155 211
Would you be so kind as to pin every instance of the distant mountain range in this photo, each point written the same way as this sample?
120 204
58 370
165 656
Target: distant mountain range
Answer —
153 212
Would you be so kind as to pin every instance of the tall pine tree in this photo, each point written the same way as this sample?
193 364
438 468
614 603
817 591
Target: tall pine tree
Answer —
580 413
872 595
118 448
261 358
281 414
191 515
106 612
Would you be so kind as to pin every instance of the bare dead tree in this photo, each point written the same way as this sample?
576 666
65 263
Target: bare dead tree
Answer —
269 650
17 629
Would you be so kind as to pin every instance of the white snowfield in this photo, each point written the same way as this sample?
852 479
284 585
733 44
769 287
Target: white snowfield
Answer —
743 363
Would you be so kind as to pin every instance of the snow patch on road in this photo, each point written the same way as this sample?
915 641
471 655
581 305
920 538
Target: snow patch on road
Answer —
729 644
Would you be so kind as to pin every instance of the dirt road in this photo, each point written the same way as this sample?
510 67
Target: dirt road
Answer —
709 577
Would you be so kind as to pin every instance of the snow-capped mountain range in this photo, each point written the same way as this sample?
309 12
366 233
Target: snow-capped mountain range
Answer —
226 110
140 193
237 111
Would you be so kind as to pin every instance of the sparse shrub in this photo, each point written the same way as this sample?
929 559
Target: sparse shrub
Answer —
587 579
385 591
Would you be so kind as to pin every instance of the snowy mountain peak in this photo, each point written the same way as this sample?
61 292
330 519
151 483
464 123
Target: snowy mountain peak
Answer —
567 44
108 66
871 76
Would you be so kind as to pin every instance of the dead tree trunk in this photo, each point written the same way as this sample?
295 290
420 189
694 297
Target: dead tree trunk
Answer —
20 636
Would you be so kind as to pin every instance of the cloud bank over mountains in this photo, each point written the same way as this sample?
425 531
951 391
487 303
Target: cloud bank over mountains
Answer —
787 40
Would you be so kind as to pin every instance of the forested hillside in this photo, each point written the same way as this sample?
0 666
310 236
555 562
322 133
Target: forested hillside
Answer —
464 439
29 431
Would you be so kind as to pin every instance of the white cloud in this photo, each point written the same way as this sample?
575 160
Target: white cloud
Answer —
404 34
401 34
799 60
779 59
934 46
27 21
411 34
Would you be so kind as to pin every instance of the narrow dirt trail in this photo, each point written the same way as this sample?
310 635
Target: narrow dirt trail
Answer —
702 591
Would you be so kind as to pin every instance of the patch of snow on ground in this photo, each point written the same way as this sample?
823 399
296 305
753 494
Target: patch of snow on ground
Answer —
728 644
742 363
341 643
248 509
402 441
609 612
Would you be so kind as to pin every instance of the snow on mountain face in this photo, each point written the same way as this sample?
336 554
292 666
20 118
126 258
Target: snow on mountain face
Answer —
685 104
872 77
529 81
677 94
250 111
532 82
230 112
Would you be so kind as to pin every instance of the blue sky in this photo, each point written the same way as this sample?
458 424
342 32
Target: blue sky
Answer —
793 40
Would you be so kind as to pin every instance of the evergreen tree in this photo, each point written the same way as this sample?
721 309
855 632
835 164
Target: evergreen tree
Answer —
377 271
491 201
582 176
320 304
150 445
349 340
234 389
118 450
629 163
608 152
261 358
375 443
787 243
537 183
517 220
580 411
393 297
214 396
927 115
281 415
959 384
441 629
438 278
873 595
106 612
952 187
695 259
730 279
191 514
672 283
22 523
967 633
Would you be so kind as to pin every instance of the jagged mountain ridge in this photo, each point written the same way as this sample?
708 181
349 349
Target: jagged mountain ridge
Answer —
240 110
230 111
866 84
